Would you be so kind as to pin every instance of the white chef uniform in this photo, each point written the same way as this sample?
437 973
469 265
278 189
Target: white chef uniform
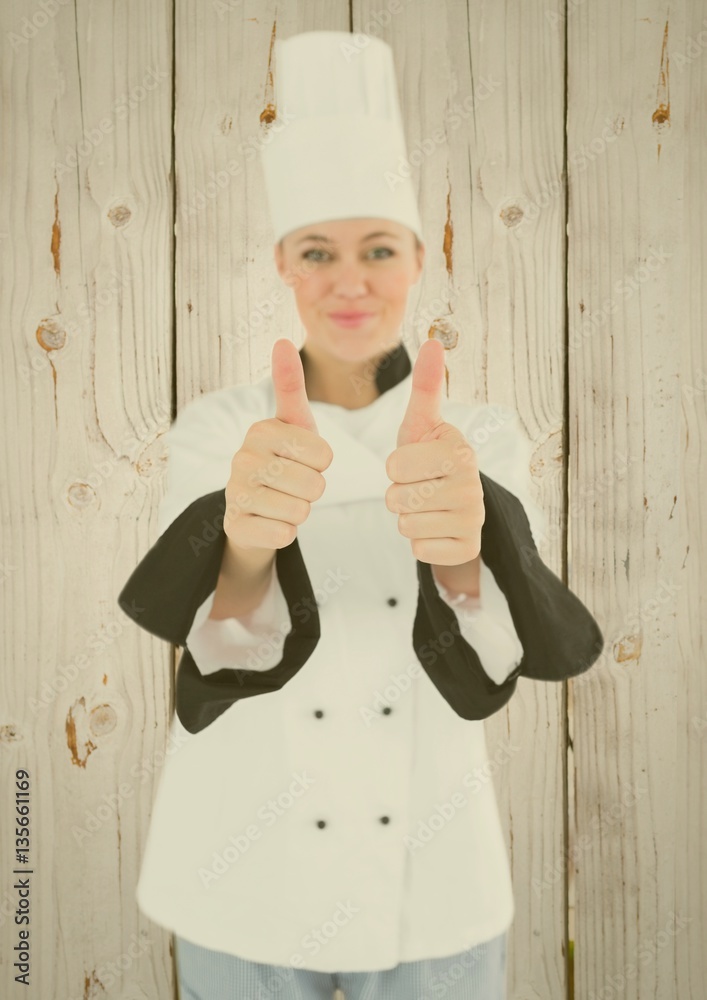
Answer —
353 796
331 806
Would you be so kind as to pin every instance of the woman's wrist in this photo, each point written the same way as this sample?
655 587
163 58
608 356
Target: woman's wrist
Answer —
243 580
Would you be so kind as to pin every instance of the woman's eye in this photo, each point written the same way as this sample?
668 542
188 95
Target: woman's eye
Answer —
305 255
375 250
384 249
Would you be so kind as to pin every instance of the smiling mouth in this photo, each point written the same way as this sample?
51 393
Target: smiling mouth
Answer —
350 319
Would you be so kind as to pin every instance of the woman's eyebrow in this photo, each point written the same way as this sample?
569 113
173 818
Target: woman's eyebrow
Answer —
325 239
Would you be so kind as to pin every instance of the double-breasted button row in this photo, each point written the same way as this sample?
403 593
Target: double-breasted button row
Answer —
321 823
319 714
392 601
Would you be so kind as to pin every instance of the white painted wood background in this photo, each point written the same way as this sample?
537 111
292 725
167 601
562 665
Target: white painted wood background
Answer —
563 196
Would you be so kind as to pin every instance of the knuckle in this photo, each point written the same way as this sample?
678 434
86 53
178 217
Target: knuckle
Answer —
302 509
418 549
259 429
287 533
324 456
328 452
319 486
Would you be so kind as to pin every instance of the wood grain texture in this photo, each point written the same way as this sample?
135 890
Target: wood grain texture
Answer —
559 153
636 269
86 308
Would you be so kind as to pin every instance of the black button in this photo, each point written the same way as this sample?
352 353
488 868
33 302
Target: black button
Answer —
321 823
387 710
385 819
392 601
319 713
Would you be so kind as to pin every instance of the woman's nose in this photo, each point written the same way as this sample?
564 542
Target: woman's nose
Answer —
349 279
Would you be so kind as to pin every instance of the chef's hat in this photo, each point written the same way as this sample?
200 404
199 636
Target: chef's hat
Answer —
336 149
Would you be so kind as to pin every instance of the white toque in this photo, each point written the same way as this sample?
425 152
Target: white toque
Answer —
336 148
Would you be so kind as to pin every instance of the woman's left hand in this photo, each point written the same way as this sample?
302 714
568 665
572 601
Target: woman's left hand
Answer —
436 490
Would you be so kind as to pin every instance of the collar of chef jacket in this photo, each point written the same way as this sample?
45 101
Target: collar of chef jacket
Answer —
559 636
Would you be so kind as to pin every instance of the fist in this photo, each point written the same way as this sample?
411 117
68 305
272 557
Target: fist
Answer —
276 474
436 490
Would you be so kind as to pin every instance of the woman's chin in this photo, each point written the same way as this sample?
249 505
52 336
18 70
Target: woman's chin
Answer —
355 345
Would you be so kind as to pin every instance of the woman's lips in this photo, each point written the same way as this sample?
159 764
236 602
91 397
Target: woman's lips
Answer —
350 319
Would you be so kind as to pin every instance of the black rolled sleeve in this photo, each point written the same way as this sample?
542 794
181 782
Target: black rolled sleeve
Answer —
176 576
559 636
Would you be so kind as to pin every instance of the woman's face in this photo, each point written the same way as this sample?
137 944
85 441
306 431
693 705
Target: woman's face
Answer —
351 266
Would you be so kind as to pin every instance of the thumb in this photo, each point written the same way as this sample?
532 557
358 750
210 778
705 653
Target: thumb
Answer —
422 414
291 403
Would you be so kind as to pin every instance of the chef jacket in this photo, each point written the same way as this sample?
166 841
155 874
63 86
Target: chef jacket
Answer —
331 806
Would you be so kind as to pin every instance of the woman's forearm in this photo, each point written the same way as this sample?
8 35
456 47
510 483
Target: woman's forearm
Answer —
462 579
243 580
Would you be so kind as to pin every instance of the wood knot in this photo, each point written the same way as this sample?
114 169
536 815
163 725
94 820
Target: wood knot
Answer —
511 216
81 495
51 336
103 719
152 458
628 648
77 740
661 115
10 733
120 216
442 330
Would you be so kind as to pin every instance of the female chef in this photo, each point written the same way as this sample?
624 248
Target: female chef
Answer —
347 559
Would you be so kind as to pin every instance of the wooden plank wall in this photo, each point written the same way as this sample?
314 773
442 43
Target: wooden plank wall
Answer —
559 151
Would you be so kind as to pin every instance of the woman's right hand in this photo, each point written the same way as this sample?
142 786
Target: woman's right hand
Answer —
276 474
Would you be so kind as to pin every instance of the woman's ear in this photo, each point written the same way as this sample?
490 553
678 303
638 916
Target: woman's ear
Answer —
420 259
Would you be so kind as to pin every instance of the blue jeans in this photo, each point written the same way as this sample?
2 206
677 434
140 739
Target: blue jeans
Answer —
476 974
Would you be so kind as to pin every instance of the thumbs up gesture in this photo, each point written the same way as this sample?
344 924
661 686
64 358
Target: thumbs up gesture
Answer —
276 474
436 490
